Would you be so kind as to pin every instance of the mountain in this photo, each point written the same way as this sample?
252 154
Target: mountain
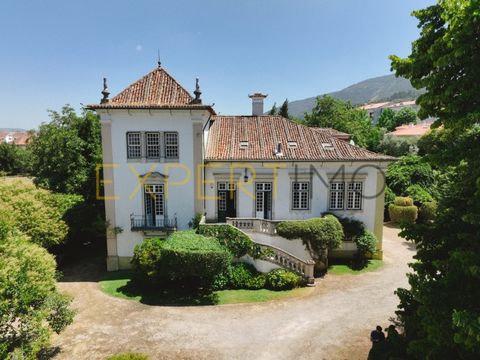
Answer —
383 88
13 129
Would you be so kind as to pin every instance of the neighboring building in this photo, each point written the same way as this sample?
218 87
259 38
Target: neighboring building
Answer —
375 109
19 138
413 131
168 156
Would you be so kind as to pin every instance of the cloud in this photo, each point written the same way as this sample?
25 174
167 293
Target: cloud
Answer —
139 47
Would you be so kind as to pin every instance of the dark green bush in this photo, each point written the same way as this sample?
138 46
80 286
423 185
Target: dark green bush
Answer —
352 228
257 282
318 233
403 214
240 276
403 201
185 258
237 242
281 279
195 222
366 244
427 212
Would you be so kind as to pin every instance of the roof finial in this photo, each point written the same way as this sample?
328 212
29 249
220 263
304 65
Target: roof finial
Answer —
159 63
197 93
105 92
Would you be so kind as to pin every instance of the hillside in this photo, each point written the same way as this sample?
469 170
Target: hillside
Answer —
377 89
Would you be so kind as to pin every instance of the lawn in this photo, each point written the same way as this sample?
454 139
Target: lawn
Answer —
120 284
342 269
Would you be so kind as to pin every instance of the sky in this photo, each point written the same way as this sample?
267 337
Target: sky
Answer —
56 52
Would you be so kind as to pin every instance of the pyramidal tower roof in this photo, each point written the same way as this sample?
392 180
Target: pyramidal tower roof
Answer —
156 90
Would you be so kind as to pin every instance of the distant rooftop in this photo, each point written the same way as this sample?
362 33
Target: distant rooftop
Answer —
412 129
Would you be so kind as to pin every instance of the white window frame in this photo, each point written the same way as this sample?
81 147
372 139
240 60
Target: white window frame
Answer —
153 148
353 198
337 195
171 146
133 146
303 193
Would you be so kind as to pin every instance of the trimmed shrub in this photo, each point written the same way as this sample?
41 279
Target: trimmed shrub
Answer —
183 258
403 214
403 201
281 279
237 242
318 233
366 243
427 212
257 282
240 275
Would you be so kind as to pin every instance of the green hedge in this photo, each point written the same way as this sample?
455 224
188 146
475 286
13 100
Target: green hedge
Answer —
319 233
366 244
427 212
237 242
403 214
281 279
184 258
403 201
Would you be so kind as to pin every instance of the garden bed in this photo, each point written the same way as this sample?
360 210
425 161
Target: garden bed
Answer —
120 284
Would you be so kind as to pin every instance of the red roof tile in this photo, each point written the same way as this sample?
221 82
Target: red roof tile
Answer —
263 133
15 137
156 90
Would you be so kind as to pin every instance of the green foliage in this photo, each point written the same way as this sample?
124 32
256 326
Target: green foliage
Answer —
283 111
386 119
15 160
35 212
395 146
196 221
403 214
427 212
30 306
128 356
418 194
236 241
403 201
184 258
405 115
389 196
351 227
440 312
409 170
366 244
317 233
240 276
343 116
273 110
281 279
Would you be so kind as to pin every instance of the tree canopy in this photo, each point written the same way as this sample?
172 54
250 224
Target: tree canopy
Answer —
440 312
283 111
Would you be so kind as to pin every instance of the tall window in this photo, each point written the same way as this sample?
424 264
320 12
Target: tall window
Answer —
337 191
300 195
354 196
134 145
154 201
153 144
171 145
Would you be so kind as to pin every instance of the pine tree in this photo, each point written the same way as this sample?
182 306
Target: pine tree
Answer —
273 110
284 110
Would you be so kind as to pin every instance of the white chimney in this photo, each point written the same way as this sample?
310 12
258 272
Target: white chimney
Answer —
257 103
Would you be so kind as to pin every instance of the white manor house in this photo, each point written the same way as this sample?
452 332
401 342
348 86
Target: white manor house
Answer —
167 157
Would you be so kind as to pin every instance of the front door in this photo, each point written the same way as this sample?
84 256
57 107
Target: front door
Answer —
154 205
263 200
226 200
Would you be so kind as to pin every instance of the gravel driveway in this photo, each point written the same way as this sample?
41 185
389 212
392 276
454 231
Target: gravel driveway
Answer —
332 323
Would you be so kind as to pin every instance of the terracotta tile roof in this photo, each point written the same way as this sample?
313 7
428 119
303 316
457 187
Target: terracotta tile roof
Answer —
263 133
334 133
156 90
411 129
20 138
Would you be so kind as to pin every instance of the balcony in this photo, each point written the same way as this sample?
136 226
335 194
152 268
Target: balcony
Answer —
146 223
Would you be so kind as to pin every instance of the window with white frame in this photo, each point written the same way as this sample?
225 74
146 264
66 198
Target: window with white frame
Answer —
337 193
134 145
300 195
154 200
152 142
354 195
171 145
260 189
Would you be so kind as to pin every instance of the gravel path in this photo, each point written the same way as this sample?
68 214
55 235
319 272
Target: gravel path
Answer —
332 323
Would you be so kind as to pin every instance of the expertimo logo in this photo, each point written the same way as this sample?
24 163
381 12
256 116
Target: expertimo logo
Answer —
243 175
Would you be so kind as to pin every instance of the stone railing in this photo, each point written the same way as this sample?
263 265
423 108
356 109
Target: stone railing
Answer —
256 225
288 261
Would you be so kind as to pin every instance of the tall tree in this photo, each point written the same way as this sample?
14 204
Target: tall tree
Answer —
405 116
273 110
387 119
283 111
441 310
343 116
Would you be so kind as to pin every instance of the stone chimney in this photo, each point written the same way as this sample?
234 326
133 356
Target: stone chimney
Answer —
257 103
